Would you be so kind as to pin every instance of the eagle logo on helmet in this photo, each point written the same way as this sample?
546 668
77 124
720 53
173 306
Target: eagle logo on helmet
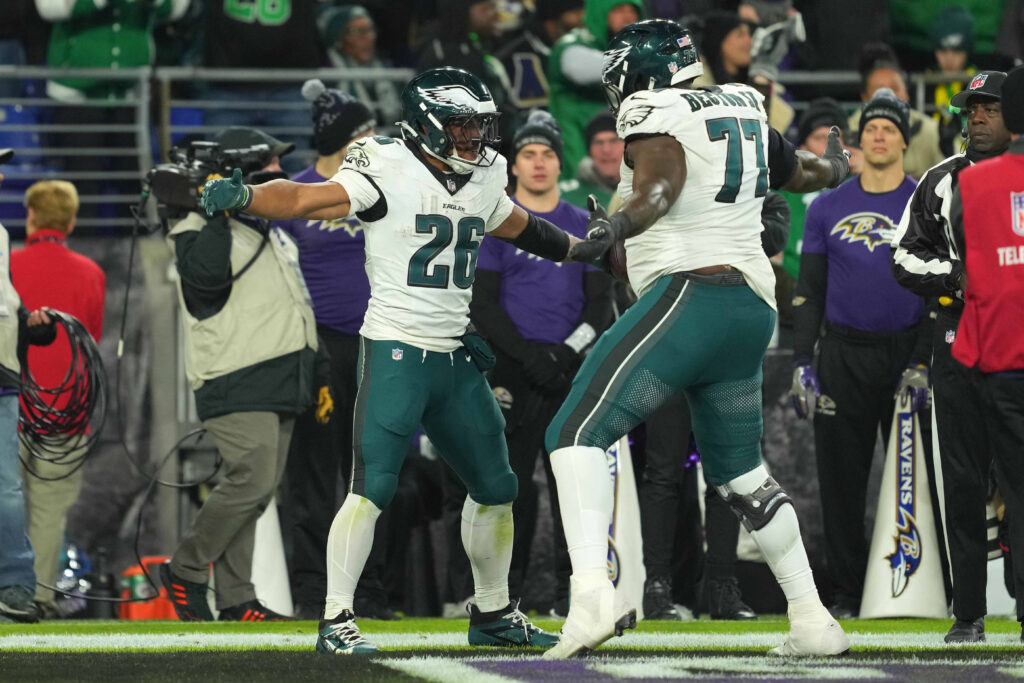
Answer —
453 96
613 58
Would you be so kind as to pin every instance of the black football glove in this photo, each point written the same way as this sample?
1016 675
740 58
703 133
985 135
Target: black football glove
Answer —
602 232
837 156
544 371
568 360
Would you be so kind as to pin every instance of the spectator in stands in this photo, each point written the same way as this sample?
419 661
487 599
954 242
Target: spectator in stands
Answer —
109 35
912 23
17 576
879 69
540 318
49 274
989 337
726 44
332 257
525 53
463 36
952 37
574 72
351 39
877 337
260 35
598 172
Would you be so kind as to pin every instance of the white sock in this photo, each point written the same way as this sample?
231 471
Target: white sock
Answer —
587 502
780 542
348 546
487 532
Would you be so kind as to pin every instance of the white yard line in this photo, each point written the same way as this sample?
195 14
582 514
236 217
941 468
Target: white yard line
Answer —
443 670
405 641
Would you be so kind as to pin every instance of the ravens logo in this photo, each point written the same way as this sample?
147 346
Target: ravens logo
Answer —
867 228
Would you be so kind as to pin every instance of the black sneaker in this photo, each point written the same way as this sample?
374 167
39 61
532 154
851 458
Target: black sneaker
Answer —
967 631
188 597
253 610
658 604
726 602
369 608
17 604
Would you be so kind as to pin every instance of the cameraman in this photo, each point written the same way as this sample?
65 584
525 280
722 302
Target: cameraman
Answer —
18 329
250 347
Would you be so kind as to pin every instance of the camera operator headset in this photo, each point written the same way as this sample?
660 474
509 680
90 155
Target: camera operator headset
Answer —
250 351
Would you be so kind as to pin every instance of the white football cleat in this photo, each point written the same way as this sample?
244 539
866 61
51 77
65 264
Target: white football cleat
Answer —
814 636
596 613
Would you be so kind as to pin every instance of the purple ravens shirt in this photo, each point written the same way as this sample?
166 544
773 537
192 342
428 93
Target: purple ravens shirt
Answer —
332 257
544 299
853 228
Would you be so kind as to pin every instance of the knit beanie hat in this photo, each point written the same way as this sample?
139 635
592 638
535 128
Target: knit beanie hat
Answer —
331 21
602 122
885 105
1013 100
953 29
540 128
338 118
823 111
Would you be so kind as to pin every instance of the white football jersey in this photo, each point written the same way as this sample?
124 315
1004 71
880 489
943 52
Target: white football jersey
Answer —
423 229
717 218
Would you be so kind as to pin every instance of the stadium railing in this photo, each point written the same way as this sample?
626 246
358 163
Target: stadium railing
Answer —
165 104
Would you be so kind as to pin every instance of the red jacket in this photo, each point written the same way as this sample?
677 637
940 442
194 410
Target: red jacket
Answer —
991 331
47 273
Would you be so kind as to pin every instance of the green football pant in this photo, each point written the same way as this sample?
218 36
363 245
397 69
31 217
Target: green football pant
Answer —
402 386
703 336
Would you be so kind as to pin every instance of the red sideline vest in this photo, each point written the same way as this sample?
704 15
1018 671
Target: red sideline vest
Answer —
991 331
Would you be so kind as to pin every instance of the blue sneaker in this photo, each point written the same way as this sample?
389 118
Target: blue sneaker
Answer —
341 636
506 627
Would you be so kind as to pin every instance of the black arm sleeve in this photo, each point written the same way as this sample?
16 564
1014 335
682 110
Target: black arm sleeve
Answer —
597 312
809 306
543 238
782 162
775 222
491 319
204 257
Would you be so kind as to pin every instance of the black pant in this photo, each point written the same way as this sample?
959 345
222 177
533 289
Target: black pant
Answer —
317 454
668 499
526 417
859 373
966 458
1004 399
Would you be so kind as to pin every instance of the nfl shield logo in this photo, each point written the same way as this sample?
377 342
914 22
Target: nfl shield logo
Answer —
1017 209
396 354
950 336
451 185
684 41
673 67
978 81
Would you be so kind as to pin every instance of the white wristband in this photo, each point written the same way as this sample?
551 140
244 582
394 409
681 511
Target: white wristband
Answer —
581 338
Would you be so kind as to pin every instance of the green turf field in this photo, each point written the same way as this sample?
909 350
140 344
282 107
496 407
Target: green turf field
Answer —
436 650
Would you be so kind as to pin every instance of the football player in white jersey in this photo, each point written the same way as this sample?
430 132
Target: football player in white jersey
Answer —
696 168
426 202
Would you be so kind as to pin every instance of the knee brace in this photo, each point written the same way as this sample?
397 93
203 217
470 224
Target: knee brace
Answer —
500 490
757 508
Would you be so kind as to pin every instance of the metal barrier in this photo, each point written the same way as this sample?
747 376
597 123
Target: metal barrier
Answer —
105 146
